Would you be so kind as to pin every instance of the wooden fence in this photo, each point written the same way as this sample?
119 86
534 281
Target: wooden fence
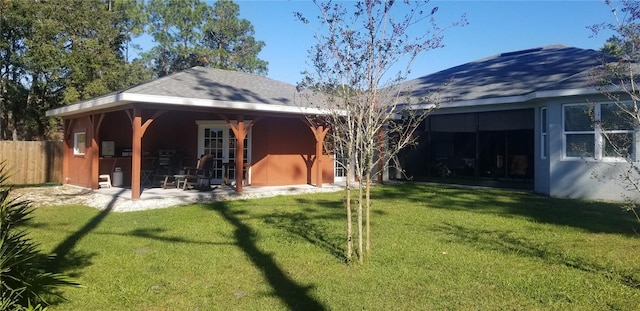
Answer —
32 162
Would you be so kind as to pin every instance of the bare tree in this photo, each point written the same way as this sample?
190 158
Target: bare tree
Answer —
361 55
618 120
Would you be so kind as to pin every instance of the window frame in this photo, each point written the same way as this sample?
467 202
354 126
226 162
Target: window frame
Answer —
604 132
79 147
544 149
598 133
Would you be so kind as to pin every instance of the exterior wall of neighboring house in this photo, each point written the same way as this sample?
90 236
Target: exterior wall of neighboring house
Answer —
575 177
542 143
555 174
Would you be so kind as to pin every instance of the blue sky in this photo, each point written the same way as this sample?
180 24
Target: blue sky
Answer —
494 27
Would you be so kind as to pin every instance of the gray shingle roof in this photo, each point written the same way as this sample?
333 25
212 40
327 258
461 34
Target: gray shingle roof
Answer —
511 74
222 85
206 88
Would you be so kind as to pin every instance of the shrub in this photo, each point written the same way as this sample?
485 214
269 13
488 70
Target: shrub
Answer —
25 276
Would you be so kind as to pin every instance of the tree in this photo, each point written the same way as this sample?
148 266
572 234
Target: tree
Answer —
231 40
191 33
617 79
25 272
14 27
57 52
353 63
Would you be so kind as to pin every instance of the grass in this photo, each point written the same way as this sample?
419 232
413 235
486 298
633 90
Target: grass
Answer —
434 248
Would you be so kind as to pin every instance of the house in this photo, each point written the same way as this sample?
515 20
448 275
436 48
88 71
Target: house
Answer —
249 123
526 119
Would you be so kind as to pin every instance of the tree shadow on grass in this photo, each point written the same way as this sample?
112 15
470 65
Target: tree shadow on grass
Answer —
313 231
66 257
508 243
311 225
294 295
593 216
157 234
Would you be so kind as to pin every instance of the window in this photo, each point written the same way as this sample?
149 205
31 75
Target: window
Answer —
543 133
79 143
617 130
597 131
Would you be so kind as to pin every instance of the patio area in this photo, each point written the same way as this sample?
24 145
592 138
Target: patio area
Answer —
119 199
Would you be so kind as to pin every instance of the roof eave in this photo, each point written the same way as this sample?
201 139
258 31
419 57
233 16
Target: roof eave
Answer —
110 101
516 99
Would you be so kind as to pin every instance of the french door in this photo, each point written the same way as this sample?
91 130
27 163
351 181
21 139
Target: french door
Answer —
217 139
339 171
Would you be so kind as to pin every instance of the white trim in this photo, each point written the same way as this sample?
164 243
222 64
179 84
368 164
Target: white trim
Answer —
119 99
544 133
597 132
565 133
336 167
203 124
77 143
107 101
513 99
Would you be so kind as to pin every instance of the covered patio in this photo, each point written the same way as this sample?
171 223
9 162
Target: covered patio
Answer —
255 129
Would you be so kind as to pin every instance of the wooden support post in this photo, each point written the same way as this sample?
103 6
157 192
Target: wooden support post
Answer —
136 152
139 129
240 132
319 133
240 154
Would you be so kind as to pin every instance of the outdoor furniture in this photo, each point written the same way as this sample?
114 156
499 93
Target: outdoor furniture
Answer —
169 164
146 177
104 180
246 173
198 177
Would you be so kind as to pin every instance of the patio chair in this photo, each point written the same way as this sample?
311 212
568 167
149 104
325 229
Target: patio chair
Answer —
198 177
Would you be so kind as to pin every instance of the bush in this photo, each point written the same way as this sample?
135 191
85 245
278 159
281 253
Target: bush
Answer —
25 276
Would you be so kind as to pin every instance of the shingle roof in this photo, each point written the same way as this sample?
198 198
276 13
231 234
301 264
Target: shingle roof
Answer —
206 88
221 85
510 74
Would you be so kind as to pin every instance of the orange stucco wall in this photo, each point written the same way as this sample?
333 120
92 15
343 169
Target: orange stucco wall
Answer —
282 149
283 154
79 166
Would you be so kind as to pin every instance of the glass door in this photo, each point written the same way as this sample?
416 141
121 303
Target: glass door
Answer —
339 171
216 138
213 143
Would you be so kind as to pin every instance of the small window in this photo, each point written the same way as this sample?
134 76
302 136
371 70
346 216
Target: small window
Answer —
79 143
579 131
578 118
617 130
543 133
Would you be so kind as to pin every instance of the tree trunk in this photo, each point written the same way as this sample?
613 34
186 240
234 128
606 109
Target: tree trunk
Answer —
360 238
367 213
348 206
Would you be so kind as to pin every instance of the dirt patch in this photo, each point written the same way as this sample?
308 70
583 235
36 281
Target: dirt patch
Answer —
57 195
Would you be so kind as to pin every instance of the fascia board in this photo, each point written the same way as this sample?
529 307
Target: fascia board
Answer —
232 105
516 99
115 100
103 102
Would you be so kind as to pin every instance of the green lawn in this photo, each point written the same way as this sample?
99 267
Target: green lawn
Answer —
434 248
